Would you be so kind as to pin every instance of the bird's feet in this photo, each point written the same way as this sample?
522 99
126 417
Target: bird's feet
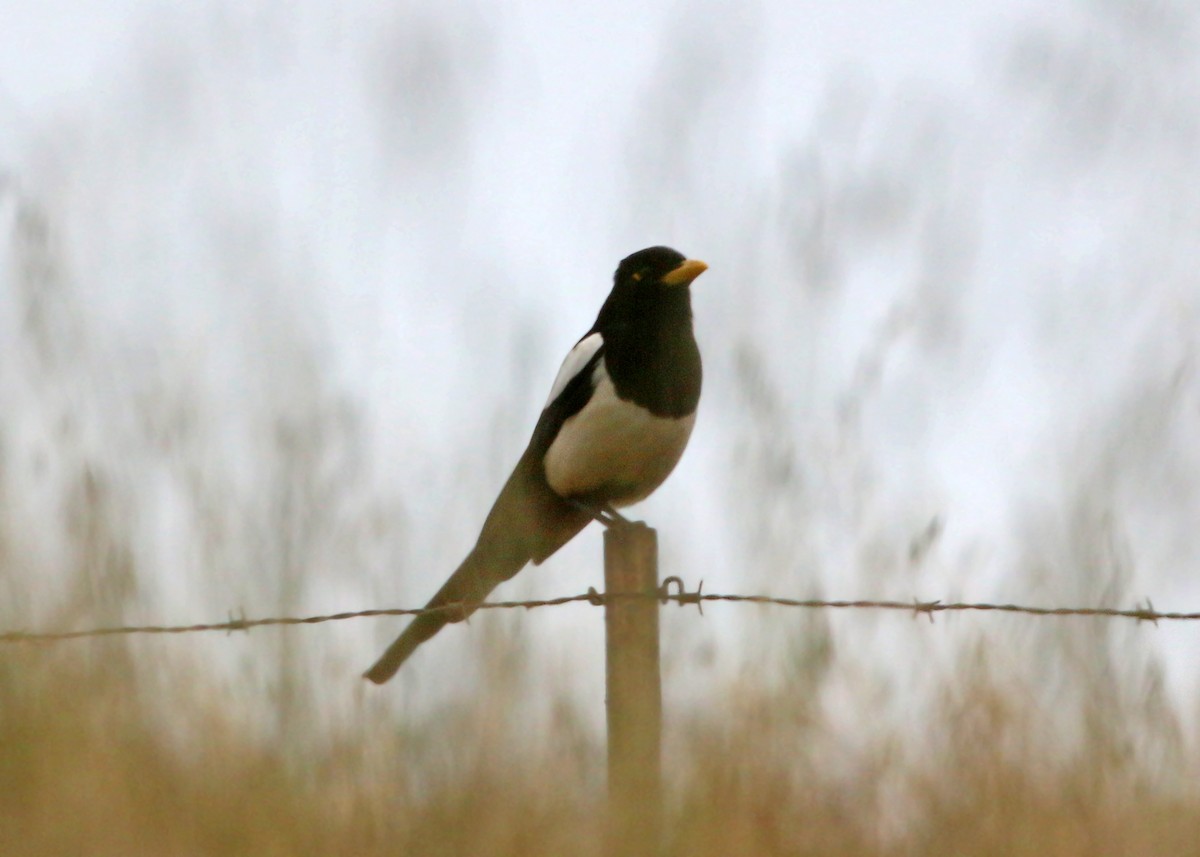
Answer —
602 512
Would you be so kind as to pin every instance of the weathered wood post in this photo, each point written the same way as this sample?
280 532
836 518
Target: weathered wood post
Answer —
634 693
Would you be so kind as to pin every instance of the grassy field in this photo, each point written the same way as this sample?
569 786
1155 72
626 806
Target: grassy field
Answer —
95 760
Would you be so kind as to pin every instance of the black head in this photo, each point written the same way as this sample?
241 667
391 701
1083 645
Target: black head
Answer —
649 349
658 265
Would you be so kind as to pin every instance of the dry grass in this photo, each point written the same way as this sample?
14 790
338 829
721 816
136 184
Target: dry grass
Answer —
86 767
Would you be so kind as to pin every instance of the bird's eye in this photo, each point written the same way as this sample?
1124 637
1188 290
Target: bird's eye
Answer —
637 277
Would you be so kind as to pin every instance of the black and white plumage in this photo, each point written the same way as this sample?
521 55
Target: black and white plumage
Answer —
618 417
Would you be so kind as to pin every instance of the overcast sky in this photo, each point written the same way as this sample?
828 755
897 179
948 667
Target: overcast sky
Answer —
299 277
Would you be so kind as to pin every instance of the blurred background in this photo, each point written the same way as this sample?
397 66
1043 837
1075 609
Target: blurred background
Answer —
283 287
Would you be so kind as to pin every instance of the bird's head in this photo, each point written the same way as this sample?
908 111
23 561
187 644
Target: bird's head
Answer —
658 266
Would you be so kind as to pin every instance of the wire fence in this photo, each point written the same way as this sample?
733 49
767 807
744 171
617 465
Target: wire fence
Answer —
671 590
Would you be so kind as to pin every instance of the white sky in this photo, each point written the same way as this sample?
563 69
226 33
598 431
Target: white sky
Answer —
959 240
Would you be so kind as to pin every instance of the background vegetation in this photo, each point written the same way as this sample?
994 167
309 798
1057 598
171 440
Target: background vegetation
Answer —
280 293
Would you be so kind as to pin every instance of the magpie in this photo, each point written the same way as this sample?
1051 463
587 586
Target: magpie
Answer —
618 417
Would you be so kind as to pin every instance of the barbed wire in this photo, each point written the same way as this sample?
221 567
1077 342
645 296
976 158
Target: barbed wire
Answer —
664 594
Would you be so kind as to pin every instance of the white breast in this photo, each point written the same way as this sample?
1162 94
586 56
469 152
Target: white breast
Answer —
614 449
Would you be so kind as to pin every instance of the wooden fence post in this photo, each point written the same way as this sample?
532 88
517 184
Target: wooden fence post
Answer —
634 693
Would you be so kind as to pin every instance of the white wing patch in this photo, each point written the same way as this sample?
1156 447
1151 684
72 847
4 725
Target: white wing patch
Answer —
578 357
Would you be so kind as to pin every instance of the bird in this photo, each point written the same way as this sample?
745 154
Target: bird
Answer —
618 417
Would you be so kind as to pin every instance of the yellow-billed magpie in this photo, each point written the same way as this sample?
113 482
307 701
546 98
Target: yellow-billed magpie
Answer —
617 420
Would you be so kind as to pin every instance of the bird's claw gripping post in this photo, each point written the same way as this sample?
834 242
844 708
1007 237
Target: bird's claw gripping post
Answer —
604 514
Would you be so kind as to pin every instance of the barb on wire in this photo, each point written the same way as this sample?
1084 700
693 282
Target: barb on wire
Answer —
682 596
664 594
926 607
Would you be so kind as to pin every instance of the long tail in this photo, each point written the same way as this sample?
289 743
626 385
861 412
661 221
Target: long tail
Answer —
471 582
